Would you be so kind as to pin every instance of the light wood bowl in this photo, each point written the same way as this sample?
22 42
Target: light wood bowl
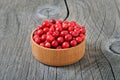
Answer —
57 57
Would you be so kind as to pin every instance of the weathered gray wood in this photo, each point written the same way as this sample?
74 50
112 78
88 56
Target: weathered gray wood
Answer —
102 25
17 20
19 17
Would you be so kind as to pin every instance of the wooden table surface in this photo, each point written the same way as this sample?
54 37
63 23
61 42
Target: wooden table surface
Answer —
102 57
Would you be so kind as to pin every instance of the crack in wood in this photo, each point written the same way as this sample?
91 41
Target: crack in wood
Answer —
67 9
108 61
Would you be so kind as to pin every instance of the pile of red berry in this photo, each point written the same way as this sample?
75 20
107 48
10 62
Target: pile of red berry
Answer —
59 34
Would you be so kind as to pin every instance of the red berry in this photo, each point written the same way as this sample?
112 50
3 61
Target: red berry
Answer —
55 33
60 40
52 28
54 43
77 29
46 29
82 36
77 25
45 23
70 28
75 33
42 44
64 32
70 32
68 37
49 33
49 38
65 22
35 36
65 45
73 43
59 22
71 24
37 40
59 47
53 21
82 30
35 32
47 45
58 27
39 32
43 37
79 39
64 25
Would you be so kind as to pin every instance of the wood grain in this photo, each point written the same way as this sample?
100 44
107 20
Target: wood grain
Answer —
101 18
101 24
16 23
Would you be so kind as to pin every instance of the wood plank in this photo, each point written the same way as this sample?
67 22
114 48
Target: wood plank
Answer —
16 23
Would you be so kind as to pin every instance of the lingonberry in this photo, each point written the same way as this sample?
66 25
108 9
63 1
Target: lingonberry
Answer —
68 37
60 40
47 45
54 43
49 38
73 43
65 45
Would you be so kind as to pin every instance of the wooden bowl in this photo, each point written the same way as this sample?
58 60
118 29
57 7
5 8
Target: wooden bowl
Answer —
57 57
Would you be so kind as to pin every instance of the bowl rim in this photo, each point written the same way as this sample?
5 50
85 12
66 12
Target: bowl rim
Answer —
50 48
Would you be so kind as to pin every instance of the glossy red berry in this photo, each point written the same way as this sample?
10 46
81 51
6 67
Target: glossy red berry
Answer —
59 22
37 40
58 47
42 44
52 28
75 33
45 30
73 43
60 40
65 45
71 24
45 23
49 38
49 33
78 39
64 32
58 27
68 37
35 36
65 22
53 21
64 25
70 28
71 32
55 33
43 37
82 36
47 45
39 32
82 30
54 43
